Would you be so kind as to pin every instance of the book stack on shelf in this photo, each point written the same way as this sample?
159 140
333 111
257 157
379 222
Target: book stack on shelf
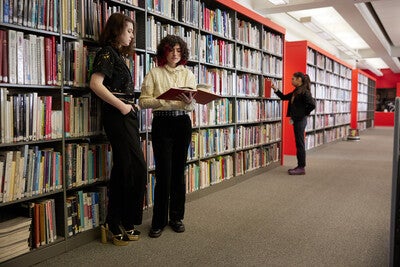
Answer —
14 237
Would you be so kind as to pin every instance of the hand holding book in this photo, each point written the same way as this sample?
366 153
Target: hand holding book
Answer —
201 94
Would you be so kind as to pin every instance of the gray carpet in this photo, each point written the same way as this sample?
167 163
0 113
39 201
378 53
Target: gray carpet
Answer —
338 214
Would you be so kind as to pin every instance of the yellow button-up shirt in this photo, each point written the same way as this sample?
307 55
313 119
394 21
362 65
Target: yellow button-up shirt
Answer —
160 79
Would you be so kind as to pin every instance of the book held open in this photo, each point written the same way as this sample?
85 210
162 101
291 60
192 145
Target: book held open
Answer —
202 95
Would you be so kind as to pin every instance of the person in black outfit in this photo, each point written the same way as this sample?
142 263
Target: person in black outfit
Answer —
301 103
112 82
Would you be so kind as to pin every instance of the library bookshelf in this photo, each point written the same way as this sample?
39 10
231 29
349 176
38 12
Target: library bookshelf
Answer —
363 100
52 148
331 87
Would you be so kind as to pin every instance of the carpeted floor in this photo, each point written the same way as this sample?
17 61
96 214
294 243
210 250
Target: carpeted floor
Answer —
338 214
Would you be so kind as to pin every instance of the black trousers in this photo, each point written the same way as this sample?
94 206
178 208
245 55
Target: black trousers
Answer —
129 171
171 137
299 127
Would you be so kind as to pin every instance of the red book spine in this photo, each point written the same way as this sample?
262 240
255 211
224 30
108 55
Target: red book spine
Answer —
267 88
67 110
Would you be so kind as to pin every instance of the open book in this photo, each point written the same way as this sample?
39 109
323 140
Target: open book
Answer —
202 95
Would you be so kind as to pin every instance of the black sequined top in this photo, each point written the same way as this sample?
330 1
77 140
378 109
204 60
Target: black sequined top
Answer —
118 78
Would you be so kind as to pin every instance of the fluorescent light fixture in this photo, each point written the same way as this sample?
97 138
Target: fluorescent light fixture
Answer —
279 2
326 35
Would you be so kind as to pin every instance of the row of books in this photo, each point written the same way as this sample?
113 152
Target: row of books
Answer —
78 63
272 42
216 21
216 51
43 229
209 172
256 158
14 237
321 91
28 58
248 85
27 117
326 63
247 33
249 160
156 30
215 141
326 136
87 18
82 115
249 59
328 78
86 210
29 171
87 163
248 136
272 65
186 11
257 111
37 14
331 106
323 121
218 112
222 80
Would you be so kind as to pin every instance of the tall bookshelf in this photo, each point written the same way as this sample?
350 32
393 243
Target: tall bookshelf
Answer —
231 47
331 88
363 100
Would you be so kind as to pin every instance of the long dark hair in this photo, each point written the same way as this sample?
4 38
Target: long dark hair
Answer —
166 45
114 27
305 82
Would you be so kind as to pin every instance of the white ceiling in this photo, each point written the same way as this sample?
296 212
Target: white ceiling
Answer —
371 28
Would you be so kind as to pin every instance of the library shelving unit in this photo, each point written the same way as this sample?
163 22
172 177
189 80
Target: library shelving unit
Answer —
331 88
52 146
363 100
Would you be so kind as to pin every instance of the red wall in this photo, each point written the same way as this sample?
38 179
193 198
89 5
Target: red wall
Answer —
388 80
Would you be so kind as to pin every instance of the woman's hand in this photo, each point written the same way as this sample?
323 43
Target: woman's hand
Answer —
126 109
186 97
274 87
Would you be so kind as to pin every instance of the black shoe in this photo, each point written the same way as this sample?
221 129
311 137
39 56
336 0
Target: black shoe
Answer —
177 226
155 232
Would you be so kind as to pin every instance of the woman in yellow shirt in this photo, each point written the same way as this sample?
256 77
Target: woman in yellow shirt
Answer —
171 131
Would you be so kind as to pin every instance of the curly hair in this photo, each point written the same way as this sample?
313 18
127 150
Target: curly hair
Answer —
166 45
114 27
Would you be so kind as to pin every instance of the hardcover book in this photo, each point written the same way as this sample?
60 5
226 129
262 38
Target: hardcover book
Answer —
202 95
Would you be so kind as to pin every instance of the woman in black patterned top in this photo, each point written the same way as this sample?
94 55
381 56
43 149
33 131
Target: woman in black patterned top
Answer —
112 82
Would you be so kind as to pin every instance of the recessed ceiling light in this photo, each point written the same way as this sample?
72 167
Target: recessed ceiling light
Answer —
279 2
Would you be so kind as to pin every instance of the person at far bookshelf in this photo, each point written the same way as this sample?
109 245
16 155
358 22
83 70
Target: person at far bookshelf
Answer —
301 103
111 80
171 131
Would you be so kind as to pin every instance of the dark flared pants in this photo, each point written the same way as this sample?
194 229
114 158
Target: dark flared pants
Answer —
129 171
170 137
299 127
